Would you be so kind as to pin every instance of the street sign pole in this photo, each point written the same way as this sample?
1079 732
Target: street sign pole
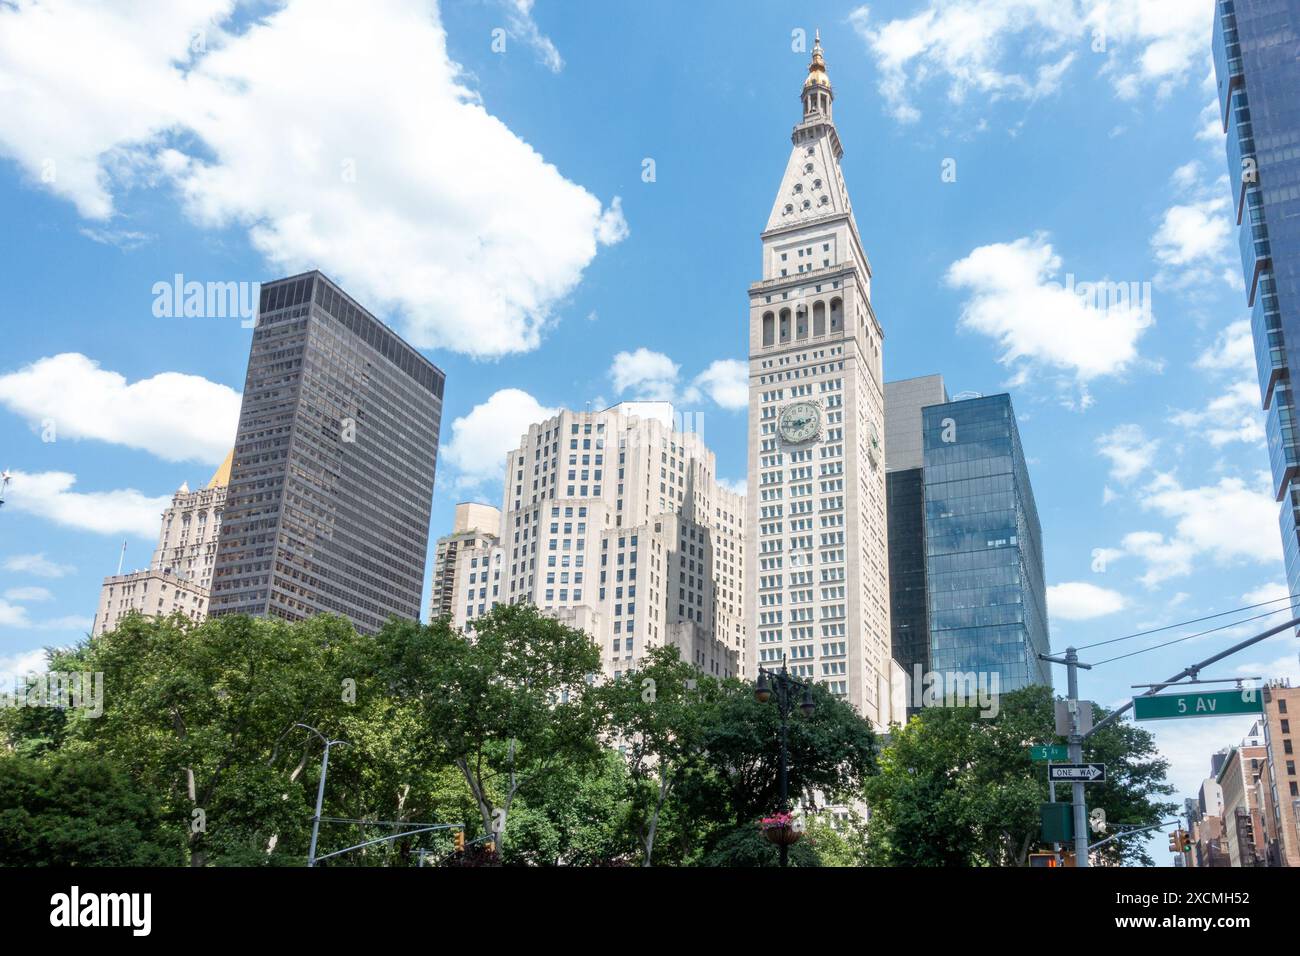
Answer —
1076 756
1051 792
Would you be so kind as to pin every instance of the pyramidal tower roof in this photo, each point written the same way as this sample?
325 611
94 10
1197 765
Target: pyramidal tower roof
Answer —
221 477
813 187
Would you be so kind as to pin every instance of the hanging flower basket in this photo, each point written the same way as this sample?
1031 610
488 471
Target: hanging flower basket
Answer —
781 829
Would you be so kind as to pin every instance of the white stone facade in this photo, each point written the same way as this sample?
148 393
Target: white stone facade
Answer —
615 522
179 575
817 544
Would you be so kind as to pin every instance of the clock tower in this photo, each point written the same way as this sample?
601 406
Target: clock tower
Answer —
817 549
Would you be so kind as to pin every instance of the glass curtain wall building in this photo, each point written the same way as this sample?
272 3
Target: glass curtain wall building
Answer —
331 484
1257 67
984 558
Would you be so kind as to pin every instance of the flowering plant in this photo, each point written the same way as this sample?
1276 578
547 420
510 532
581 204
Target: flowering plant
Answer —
778 820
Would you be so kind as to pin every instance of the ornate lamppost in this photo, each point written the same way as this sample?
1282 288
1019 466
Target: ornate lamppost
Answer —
785 687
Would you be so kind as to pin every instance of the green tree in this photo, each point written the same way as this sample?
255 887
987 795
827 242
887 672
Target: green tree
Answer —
658 714
830 753
735 778
507 704
204 716
838 843
67 810
575 817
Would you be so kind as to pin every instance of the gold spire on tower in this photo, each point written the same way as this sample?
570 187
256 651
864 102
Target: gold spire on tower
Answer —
817 68
221 477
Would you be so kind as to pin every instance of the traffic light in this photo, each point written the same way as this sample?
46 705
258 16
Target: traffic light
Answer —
1175 843
1043 859
460 841
1185 841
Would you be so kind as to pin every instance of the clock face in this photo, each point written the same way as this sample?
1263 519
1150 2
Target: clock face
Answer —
800 422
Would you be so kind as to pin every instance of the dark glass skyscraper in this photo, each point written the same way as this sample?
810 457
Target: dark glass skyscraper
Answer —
984 556
1257 64
909 627
332 481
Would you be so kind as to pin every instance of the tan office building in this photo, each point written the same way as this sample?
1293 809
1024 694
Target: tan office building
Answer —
179 575
614 521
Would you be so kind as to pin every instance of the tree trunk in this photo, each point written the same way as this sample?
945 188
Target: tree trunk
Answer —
649 840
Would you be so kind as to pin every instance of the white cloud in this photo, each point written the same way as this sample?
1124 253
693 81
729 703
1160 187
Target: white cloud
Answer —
1080 601
1194 236
1165 557
49 495
1188 745
1228 522
174 416
38 565
1273 591
481 439
524 27
1156 43
124 239
970 43
726 381
650 376
1233 350
69 622
1186 175
1014 299
14 667
1129 450
1231 416
406 189
32 593
654 377
1234 414
1229 519
1210 126
12 615
1287 667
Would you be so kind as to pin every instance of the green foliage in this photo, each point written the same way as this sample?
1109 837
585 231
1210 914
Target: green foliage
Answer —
507 705
79 811
746 846
575 818
737 778
842 843
198 757
659 715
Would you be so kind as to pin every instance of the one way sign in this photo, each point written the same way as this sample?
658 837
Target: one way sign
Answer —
1077 772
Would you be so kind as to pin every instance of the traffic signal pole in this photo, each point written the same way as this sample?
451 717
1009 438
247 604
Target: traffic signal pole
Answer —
1076 737
1191 671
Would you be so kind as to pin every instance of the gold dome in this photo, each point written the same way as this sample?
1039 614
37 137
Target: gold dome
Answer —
817 68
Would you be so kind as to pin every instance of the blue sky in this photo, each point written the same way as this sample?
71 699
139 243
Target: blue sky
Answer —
561 207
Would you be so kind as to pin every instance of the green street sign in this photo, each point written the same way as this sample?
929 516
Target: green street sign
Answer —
1213 703
1049 752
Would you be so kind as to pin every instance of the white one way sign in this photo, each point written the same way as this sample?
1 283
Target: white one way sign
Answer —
1077 772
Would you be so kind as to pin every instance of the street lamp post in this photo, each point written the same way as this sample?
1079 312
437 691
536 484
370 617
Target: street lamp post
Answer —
785 686
320 789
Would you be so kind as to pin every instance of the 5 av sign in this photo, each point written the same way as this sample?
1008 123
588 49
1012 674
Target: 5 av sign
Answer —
1206 704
